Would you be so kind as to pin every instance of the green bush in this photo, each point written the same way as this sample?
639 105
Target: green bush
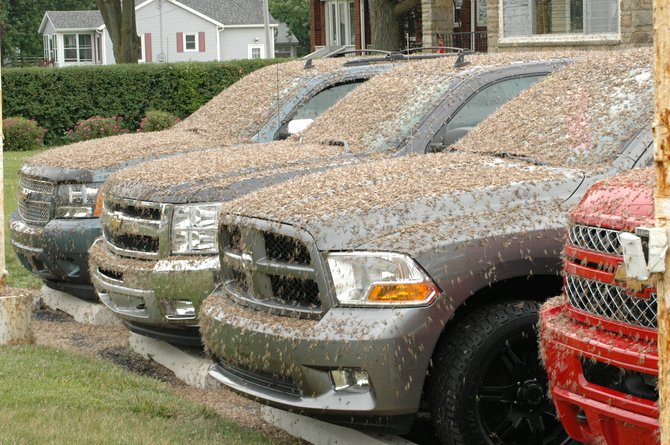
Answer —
96 127
57 98
156 120
21 134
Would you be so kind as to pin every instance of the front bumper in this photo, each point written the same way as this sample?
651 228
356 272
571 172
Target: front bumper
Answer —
57 252
593 407
286 362
136 290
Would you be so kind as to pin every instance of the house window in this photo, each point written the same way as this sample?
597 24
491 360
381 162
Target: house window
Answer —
340 22
522 18
256 51
457 14
191 42
77 48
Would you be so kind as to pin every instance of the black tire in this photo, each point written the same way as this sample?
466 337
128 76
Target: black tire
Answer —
487 385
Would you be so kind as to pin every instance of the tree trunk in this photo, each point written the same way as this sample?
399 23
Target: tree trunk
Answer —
662 200
119 18
384 25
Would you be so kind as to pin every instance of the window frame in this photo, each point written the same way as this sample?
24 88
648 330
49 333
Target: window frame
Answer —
581 37
77 48
195 39
252 46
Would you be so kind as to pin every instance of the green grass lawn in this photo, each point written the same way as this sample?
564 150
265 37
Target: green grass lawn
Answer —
49 396
18 275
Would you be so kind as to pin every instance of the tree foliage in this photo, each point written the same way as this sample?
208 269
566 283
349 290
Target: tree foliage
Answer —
22 19
295 13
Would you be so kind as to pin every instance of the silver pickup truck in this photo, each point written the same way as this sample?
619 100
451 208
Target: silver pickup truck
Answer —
356 294
158 259
58 204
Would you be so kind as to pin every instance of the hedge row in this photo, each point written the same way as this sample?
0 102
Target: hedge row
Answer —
57 98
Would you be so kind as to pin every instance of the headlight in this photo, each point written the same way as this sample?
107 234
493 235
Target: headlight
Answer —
77 201
374 278
194 229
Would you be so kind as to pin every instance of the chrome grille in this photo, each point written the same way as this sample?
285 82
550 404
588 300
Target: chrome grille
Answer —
37 185
35 200
270 271
595 238
132 228
611 302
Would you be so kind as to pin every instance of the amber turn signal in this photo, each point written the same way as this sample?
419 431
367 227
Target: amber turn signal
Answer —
97 211
423 291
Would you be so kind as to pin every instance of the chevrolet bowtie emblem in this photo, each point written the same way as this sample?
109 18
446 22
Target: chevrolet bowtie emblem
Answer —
24 194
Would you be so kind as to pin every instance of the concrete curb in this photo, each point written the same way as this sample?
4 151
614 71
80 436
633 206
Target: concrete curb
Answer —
318 432
189 368
83 311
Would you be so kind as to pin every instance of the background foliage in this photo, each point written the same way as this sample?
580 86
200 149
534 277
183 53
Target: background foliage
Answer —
57 98
295 13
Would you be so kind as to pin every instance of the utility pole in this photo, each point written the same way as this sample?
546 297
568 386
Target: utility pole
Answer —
266 22
662 200
15 310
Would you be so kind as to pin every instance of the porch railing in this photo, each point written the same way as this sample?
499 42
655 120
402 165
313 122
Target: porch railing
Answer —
462 40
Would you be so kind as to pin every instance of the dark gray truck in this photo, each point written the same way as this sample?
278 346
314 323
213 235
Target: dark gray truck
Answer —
157 259
58 198
366 294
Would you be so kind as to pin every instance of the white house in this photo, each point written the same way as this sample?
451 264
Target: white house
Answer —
170 31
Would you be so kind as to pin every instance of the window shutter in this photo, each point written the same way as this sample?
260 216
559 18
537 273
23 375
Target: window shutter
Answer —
201 42
180 42
516 18
147 47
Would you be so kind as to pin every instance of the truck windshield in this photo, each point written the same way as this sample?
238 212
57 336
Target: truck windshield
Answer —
580 117
381 114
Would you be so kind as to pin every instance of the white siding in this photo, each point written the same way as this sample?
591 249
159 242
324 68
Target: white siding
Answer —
175 20
49 28
235 42
108 51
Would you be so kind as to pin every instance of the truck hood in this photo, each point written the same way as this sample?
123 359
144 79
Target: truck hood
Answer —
223 174
623 202
387 204
94 160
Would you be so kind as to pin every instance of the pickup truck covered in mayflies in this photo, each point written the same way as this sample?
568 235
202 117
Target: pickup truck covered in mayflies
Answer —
58 195
599 340
157 259
357 293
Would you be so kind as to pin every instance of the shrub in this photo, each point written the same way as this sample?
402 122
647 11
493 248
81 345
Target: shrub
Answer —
156 120
22 134
57 98
96 127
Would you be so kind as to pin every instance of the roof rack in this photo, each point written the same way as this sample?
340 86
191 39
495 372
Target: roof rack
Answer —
406 54
358 51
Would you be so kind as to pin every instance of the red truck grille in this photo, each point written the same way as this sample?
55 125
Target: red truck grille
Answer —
595 238
610 301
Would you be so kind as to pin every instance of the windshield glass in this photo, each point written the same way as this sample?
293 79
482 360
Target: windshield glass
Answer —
580 117
242 109
384 111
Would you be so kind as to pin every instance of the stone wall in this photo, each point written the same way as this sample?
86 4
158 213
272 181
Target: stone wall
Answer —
635 24
436 16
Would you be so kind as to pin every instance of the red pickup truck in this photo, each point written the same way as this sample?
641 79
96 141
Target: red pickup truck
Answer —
598 340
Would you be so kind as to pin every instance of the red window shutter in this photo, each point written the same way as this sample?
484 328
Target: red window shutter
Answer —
180 42
201 41
147 47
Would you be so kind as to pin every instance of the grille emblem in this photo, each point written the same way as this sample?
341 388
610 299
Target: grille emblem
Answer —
247 260
115 223
24 195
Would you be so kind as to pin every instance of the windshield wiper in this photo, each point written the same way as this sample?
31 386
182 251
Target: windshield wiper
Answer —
505 155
